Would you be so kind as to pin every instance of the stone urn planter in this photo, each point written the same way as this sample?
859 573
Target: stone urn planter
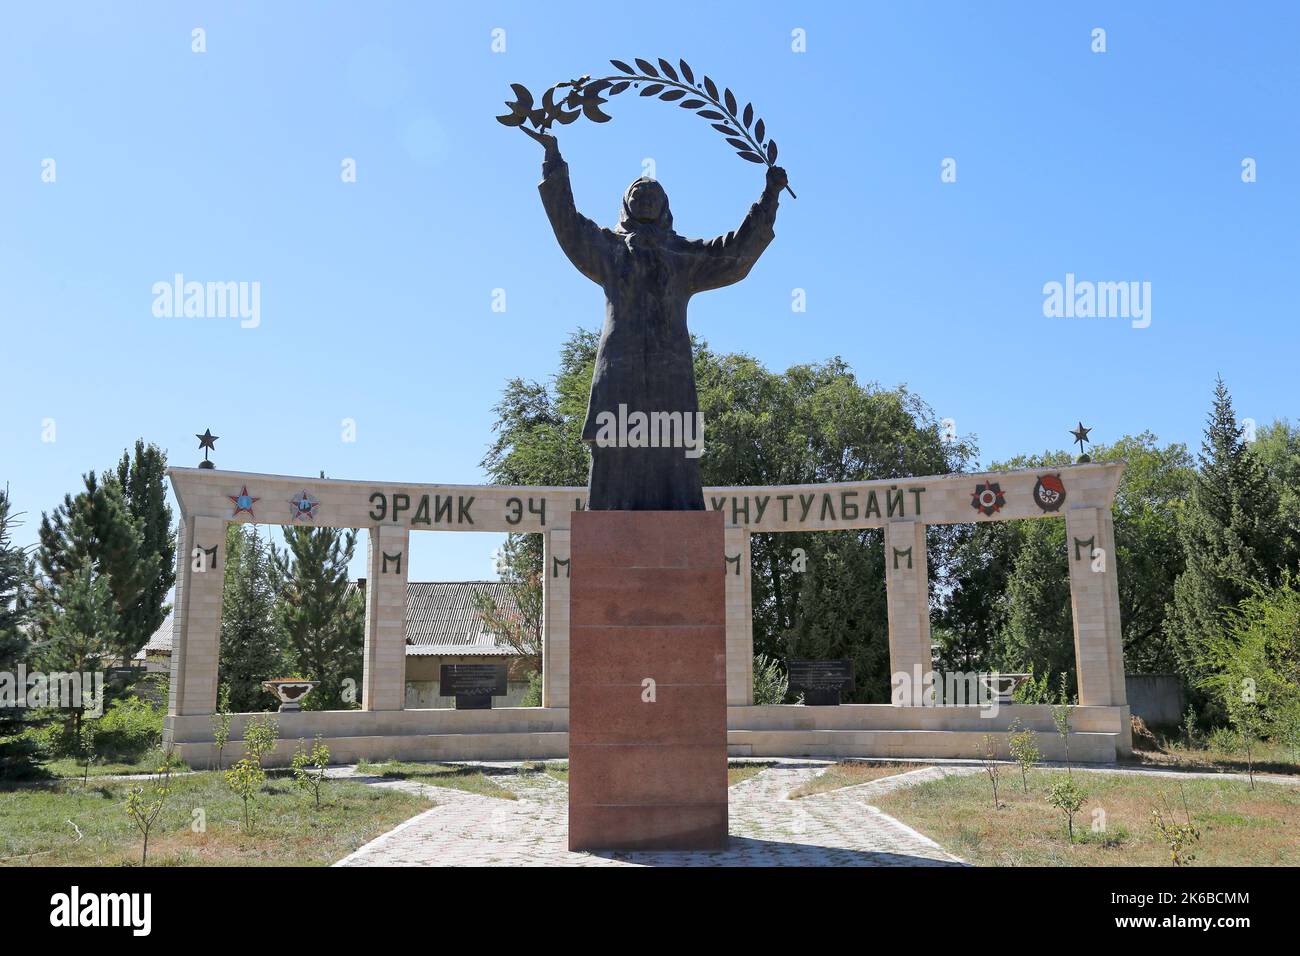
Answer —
1002 687
290 692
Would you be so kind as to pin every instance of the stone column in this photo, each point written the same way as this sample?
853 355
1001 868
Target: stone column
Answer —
196 620
907 588
556 571
740 619
1094 600
383 676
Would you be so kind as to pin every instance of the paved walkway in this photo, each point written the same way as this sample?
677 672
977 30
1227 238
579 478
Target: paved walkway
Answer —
838 828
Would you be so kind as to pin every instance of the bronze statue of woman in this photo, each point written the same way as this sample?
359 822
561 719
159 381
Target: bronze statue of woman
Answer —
644 363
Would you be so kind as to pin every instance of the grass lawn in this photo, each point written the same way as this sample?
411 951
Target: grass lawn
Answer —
738 771
457 777
68 768
850 773
1239 827
556 770
287 828
23 757
1269 757
21 765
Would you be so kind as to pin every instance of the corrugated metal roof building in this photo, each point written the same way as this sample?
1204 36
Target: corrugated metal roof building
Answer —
442 627
440 619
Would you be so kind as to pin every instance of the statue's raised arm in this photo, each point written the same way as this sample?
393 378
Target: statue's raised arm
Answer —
644 364
581 239
727 259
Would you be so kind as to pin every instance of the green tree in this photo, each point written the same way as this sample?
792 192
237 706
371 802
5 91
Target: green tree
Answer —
80 630
93 533
843 612
520 626
538 441
1005 594
1254 665
15 600
245 778
1156 481
1038 633
309 767
771 682
533 694
1005 589
1035 628
86 753
1228 529
538 431
1061 719
142 482
220 724
811 423
144 812
973 608
252 646
261 734
1277 446
816 423
986 752
320 614
1069 798
1179 837
1022 744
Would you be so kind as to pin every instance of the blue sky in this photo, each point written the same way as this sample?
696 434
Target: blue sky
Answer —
376 295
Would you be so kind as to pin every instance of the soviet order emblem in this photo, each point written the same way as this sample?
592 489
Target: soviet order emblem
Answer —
988 498
303 506
1049 492
243 502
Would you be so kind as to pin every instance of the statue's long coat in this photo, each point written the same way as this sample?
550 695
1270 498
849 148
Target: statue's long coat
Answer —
649 274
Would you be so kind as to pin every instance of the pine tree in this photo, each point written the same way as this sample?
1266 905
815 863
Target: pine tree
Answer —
141 480
321 615
15 594
843 612
251 645
93 534
1228 530
1038 633
82 630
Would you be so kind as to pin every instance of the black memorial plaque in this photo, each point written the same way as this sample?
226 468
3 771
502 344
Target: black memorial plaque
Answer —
473 685
820 682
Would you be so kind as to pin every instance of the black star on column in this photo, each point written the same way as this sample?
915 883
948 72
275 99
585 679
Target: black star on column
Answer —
207 441
1080 436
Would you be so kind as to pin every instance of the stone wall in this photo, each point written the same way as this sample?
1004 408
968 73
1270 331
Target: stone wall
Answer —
1080 494
540 733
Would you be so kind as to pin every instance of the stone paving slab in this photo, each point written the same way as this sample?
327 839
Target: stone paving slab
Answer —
839 828
836 828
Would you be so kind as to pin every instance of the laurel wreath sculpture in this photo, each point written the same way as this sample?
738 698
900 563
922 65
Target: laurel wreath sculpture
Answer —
585 97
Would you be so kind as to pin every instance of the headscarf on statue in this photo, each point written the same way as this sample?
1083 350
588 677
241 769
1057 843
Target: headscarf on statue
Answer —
640 235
